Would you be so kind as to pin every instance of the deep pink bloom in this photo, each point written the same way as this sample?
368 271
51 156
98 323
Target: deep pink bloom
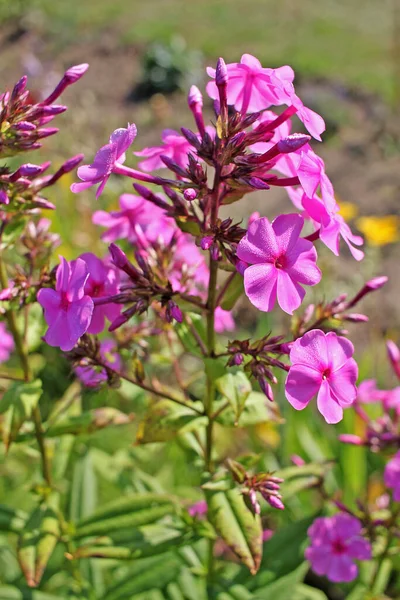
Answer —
103 281
280 261
252 88
336 542
223 320
67 310
136 217
104 161
174 145
6 343
92 376
392 476
322 364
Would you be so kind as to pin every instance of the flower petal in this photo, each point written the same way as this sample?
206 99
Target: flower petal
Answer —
302 383
341 569
290 293
260 285
310 350
287 229
327 405
259 244
340 349
342 383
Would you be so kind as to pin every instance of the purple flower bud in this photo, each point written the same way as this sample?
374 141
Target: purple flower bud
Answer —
118 257
266 388
349 438
355 318
120 320
4 199
241 266
195 97
371 286
237 359
257 183
173 312
46 132
214 251
276 502
29 170
221 73
24 126
43 203
206 242
191 137
297 460
72 163
190 194
292 143
19 88
74 73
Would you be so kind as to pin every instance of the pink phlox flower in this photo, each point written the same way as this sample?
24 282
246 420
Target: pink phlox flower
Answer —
135 212
6 343
102 167
252 88
368 393
198 509
223 320
174 145
392 476
103 281
280 261
322 365
92 376
336 542
188 271
67 309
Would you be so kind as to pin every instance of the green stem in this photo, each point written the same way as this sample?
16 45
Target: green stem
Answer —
23 357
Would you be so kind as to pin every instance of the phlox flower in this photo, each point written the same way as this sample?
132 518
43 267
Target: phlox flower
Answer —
103 281
174 145
223 320
280 132
280 261
252 88
336 542
392 476
104 161
135 212
67 309
6 343
92 376
322 365
188 270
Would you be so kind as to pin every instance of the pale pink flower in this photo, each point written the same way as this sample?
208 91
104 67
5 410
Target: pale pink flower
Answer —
103 281
104 161
174 146
67 310
392 476
93 376
336 542
322 365
280 262
136 216
252 88
6 343
188 271
223 320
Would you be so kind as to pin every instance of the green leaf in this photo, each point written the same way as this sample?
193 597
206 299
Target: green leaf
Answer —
235 388
17 405
215 367
89 421
306 592
237 526
256 410
283 588
186 336
233 293
165 420
143 575
11 520
37 541
233 196
188 226
12 232
128 512
9 592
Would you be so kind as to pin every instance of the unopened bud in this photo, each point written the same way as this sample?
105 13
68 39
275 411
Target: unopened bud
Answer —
394 356
371 286
355 318
173 312
237 359
275 502
266 388
19 88
4 199
221 73
118 257
70 76
297 460
214 251
195 97
190 194
24 126
349 438
292 143
206 242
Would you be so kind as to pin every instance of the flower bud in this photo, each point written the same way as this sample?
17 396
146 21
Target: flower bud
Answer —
237 359
394 356
4 199
173 312
266 388
118 257
214 251
221 73
275 502
195 97
19 87
349 438
206 242
241 266
190 194
355 318
292 143
71 75
370 286
297 460
24 126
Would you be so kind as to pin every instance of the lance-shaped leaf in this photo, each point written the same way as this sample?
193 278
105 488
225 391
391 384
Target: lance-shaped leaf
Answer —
89 421
38 540
129 512
233 293
143 575
11 519
235 388
9 592
238 527
186 336
17 405
165 420
257 409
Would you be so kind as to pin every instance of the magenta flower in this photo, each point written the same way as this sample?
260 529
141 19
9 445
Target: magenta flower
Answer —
67 310
104 161
136 217
280 261
392 476
6 343
103 281
336 542
174 146
252 88
92 376
322 364
223 320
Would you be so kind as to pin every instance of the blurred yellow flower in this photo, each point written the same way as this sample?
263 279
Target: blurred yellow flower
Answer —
379 231
348 210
